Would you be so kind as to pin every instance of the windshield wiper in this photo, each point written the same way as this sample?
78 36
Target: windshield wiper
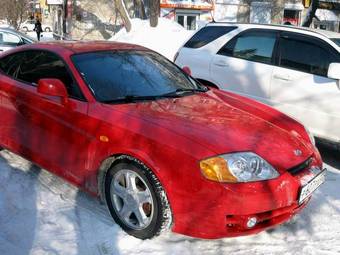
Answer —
132 99
181 91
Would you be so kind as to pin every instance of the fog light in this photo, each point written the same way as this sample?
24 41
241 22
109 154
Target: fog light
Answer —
251 222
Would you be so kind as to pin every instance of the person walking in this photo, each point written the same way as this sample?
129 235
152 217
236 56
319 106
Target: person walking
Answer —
38 28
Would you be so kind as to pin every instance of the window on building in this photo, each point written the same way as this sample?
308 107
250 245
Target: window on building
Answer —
207 35
254 45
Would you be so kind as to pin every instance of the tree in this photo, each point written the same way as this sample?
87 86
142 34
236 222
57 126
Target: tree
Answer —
121 10
127 9
14 11
310 13
154 12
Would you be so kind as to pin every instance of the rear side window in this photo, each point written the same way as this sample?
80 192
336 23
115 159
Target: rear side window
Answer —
11 64
304 54
254 45
207 35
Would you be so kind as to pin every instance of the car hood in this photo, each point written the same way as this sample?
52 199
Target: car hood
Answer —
215 121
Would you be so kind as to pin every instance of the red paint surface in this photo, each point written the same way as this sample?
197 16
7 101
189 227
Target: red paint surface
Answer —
170 136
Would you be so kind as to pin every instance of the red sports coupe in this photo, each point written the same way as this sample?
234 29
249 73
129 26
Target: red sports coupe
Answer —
163 151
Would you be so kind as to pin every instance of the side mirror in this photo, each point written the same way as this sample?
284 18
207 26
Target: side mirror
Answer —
53 87
334 71
187 70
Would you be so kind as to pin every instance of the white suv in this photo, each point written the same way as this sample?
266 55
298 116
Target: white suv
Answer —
295 70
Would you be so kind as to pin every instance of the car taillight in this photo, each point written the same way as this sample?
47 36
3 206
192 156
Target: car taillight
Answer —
176 55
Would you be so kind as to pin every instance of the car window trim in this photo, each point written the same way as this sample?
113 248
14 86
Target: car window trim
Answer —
272 61
30 84
305 38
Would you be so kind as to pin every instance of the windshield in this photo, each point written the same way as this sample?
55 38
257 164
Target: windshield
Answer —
114 75
336 40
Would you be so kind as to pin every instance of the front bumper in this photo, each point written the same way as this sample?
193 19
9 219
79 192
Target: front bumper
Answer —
223 210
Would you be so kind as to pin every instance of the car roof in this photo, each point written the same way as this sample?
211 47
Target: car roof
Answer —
325 33
84 46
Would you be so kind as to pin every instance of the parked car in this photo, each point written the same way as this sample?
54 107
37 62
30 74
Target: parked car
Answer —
295 70
29 25
10 38
127 125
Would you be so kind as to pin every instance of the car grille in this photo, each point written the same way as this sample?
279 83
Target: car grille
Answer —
296 169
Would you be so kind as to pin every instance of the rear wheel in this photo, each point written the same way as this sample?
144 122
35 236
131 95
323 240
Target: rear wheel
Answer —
136 199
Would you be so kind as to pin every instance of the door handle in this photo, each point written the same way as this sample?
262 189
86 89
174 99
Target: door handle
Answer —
281 77
221 63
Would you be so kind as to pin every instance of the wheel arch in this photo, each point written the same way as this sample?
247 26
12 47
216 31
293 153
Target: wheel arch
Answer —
109 161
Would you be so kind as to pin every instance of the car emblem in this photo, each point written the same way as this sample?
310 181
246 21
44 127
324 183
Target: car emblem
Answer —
297 152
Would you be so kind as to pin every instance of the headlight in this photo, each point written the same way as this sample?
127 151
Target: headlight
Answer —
237 167
311 137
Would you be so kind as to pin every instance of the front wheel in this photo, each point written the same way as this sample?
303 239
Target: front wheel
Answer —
47 29
136 199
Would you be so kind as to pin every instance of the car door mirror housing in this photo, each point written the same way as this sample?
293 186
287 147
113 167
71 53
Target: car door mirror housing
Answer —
53 87
334 71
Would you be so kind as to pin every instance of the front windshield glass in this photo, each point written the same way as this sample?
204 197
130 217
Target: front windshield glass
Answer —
114 75
336 40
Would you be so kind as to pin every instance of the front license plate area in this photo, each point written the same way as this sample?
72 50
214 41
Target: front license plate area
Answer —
311 186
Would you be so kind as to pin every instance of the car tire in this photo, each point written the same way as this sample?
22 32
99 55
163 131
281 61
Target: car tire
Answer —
25 29
136 199
47 29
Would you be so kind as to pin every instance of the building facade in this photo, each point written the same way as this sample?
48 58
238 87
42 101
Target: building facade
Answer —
89 20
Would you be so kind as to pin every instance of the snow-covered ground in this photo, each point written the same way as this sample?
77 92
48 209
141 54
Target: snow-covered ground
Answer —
41 214
166 38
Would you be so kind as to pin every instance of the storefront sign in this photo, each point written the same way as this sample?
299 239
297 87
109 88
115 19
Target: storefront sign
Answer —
195 4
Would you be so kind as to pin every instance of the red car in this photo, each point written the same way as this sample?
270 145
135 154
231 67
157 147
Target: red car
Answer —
126 125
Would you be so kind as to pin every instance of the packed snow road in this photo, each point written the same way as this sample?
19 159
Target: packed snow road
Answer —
41 214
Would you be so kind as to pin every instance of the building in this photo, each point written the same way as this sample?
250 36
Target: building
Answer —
190 14
265 12
88 19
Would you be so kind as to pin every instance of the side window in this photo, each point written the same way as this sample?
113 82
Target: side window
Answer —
9 39
31 66
304 54
207 35
254 45
10 65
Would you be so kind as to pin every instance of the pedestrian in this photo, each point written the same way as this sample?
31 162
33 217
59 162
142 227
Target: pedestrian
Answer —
38 28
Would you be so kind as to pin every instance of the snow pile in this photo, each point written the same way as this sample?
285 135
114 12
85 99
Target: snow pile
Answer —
42 214
165 39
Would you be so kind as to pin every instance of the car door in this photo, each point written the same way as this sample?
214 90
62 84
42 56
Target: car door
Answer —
8 40
300 86
43 128
244 64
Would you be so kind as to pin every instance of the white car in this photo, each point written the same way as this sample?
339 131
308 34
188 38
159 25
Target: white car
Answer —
10 38
293 69
29 25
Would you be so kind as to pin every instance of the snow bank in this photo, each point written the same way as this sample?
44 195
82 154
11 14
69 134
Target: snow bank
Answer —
166 38
42 214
